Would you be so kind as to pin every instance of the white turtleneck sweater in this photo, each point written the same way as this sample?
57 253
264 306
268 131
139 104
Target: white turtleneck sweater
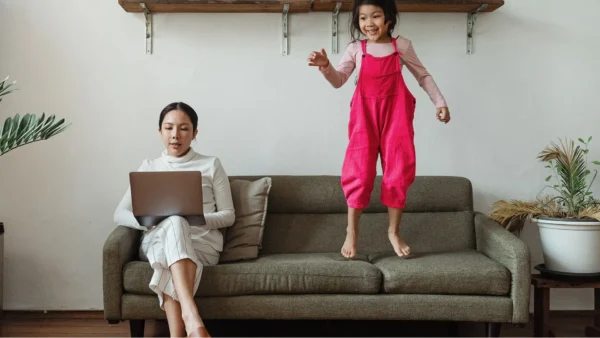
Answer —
216 192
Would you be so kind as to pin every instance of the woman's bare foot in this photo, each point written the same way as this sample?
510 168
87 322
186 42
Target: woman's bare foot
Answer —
199 332
349 247
399 245
193 323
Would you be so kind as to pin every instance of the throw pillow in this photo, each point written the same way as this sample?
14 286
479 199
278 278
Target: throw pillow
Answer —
244 238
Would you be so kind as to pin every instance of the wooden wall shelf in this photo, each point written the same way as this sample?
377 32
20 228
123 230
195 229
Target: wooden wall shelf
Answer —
216 6
150 7
298 6
422 6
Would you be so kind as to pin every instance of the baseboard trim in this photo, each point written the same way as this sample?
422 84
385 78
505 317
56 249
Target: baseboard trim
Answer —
98 314
572 313
54 314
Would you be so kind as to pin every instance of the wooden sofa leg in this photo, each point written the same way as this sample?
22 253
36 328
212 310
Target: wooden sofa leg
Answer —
136 327
493 329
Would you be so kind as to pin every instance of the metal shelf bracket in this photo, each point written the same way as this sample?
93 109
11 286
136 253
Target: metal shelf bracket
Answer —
471 17
334 28
285 46
148 16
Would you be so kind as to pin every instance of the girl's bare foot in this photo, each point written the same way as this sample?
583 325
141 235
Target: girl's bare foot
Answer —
399 245
349 247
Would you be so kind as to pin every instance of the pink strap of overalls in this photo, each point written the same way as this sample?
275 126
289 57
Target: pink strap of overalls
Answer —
364 47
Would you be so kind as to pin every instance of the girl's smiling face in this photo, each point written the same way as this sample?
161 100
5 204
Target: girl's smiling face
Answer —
372 23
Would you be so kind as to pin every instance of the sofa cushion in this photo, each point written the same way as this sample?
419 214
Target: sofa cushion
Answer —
244 238
426 231
312 273
462 272
322 194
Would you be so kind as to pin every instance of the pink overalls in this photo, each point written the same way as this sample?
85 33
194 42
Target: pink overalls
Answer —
381 117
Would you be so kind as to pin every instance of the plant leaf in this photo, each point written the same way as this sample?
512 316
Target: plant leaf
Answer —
58 131
581 140
571 173
32 130
5 89
5 133
18 132
548 178
33 134
596 162
46 134
14 130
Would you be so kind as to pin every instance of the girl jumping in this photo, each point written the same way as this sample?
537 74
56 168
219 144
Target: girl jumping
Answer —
381 115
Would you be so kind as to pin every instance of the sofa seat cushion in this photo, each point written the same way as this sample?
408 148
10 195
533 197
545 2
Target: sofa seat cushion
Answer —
462 272
314 273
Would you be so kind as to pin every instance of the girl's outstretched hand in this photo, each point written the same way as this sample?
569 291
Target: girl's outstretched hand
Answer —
443 114
318 59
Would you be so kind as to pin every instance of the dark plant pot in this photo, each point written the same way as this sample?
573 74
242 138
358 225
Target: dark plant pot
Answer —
1 269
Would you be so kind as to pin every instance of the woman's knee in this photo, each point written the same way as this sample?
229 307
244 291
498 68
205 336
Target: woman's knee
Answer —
184 263
175 222
176 218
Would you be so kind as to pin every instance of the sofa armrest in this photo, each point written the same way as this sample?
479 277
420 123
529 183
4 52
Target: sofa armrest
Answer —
507 249
120 247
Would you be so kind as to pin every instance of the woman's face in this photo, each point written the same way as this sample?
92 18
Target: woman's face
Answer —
177 133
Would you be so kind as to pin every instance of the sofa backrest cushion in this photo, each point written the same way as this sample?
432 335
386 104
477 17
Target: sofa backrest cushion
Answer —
308 214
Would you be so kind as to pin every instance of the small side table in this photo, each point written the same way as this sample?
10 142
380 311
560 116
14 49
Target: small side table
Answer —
541 304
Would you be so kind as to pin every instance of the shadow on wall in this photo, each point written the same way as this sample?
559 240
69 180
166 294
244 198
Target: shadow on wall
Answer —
483 200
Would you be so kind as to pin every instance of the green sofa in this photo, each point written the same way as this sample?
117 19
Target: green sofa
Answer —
464 266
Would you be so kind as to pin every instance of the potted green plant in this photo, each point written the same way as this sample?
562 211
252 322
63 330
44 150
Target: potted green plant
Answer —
16 132
569 219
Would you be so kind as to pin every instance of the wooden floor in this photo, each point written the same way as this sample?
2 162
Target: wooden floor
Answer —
92 324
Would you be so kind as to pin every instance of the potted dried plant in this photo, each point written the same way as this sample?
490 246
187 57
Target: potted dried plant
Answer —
16 132
569 219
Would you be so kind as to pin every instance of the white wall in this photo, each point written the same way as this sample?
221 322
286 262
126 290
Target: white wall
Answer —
534 75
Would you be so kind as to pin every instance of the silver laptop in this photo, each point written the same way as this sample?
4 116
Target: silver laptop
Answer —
156 195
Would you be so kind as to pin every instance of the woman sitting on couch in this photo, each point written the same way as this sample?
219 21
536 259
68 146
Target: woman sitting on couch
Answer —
177 251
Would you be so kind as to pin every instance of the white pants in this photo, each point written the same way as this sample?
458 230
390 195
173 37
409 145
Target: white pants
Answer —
168 243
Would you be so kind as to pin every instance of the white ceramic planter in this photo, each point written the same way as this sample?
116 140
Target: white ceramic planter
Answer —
571 246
